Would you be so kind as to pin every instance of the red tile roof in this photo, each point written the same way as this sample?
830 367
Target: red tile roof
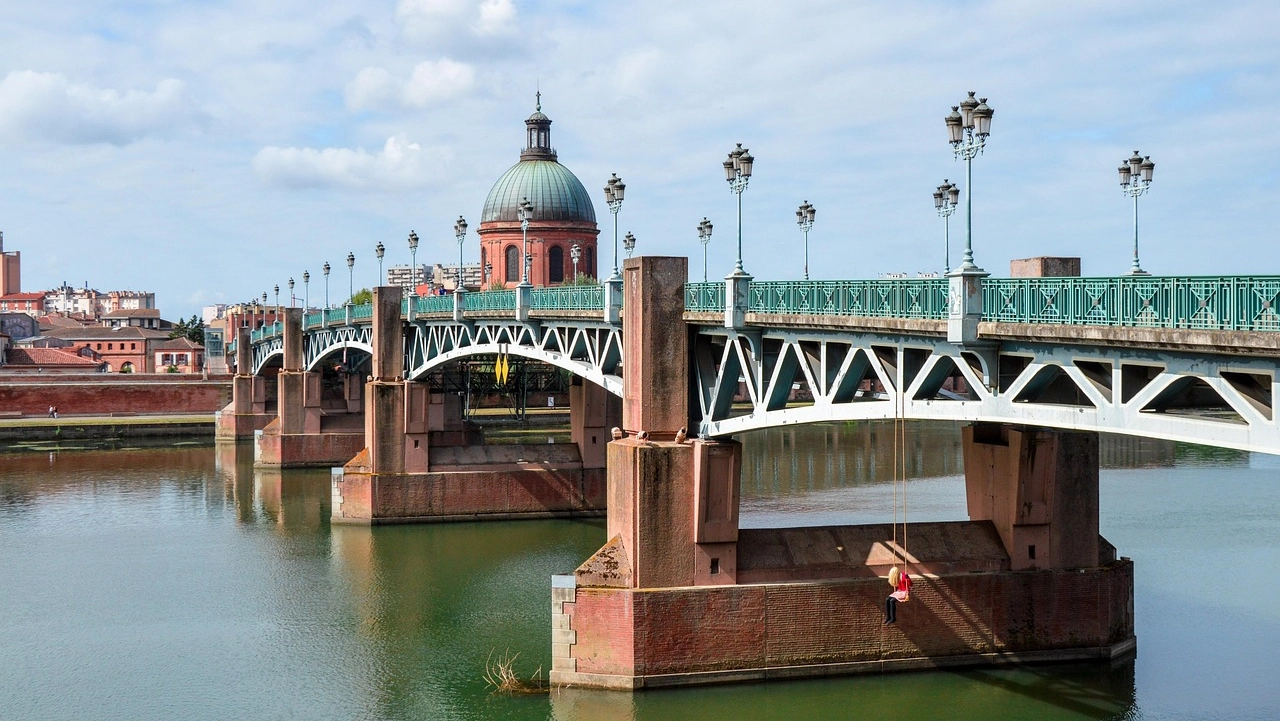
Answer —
22 296
48 357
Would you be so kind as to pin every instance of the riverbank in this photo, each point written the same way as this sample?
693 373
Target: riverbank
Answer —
21 434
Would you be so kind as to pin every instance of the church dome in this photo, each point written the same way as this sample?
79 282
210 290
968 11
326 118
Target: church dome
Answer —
555 192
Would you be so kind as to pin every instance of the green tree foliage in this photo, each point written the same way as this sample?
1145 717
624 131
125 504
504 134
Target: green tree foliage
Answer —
191 329
362 296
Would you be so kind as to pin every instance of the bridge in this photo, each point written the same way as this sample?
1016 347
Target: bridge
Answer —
1180 358
679 594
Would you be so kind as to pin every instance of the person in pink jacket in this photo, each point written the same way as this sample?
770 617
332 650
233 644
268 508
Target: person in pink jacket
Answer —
901 583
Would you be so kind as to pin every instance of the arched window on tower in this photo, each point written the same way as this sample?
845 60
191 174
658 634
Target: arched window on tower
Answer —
513 265
555 265
591 265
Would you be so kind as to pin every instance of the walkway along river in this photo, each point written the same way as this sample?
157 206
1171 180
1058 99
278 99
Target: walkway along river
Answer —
173 583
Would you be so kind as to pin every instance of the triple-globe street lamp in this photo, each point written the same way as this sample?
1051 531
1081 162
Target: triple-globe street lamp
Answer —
413 263
1135 178
291 292
460 232
946 198
525 213
737 170
351 283
614 191
968 126
804 219
306 290
379 250
704 235
575 253
325 269
629 243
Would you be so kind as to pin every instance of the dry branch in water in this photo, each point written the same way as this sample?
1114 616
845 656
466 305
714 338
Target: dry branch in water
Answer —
500 674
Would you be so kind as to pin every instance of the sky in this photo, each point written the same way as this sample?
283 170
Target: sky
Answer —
208 150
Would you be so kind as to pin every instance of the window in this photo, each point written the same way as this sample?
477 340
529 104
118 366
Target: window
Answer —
108 346
182 359
513 264
99 346
590 268
166 359
555 265
133 346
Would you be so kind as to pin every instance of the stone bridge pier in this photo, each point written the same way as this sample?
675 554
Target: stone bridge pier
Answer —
422 463
303 433
681 595
249 410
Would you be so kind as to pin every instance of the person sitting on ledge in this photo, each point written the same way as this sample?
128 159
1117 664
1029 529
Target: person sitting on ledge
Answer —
901 583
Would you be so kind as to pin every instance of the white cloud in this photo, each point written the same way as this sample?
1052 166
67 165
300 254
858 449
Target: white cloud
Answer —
440 18
400 164
430 82
47 106
439 80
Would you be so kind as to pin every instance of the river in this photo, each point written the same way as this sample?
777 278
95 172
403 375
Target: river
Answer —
176 583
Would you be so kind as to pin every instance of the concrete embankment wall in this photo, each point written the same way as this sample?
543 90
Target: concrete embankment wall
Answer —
104 395
72 429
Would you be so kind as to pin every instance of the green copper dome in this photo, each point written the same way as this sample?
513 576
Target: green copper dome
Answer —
555 192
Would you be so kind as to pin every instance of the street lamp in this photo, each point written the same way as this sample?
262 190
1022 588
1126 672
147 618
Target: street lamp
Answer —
968 126
946 199
264 309
575 252
524 213
629 243
351 269
1135 178
614 190
291 292
488 273
277 299
737 170
460 232
704 235
804 219
413 267
380 251
326 285
306 290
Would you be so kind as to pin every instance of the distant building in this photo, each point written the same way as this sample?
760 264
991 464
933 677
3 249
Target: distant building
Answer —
132 318
124 350
18 325
10 270
91 302
30 303
446 276
178 355
406 276
51 361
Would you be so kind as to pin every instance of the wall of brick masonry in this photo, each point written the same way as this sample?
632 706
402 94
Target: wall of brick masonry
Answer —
676 636
105 395
455 495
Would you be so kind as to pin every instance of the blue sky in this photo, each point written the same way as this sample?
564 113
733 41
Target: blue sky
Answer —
208 150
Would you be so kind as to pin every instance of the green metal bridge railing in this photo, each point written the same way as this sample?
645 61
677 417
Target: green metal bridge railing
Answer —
1192 302
490 300
567 297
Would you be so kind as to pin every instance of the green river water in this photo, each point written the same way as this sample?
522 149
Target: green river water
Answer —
178 583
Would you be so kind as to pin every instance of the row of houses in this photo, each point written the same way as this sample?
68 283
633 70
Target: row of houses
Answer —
62 344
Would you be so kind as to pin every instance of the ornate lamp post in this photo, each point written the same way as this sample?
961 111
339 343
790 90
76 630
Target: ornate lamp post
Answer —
460 232
804 219
524 213
968 126
629 243
1135 178
306 290
351 270
737 170
488 273
704 235
614 191
945 200
412 267
291 292
379 250
277 299
264 309
575 253
326 284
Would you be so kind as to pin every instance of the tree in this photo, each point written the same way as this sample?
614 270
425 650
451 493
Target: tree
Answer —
192 330
362 296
